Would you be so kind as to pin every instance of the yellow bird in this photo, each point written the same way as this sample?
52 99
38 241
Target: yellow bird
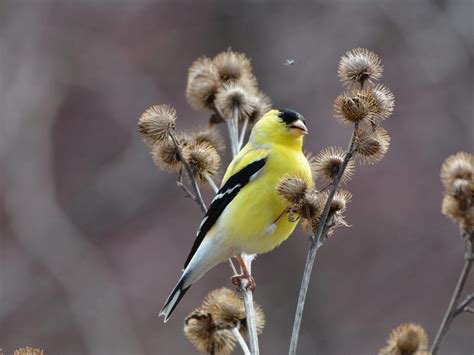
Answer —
245 215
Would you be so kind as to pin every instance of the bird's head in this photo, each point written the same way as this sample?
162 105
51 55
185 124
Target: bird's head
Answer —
281 126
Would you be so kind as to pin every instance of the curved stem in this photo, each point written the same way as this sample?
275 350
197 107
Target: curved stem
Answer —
242 134
453 304
241 340
316 241
197 192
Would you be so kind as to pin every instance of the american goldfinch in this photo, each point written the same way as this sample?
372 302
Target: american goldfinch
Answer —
245 215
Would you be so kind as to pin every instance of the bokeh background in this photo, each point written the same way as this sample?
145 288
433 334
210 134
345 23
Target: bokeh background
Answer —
93 236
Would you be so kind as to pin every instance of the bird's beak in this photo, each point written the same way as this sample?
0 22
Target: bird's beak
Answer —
299 128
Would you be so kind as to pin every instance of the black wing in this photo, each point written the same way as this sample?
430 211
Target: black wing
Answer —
224 196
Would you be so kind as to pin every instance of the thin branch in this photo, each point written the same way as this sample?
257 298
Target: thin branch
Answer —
452 308
463 306
240 339
316 242
211 182
242 133
249 306
197 192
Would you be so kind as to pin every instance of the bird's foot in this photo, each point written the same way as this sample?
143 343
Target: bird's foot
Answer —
244 280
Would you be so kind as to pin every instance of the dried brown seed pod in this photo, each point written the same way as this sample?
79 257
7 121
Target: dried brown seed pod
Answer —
457 166
380 100
340 200
371 144
459 210
210 136
406 339
28 351
156 123
233 66
326 165
202 85
360 65
228 310
165 154
313 205
202 332
233 95
349 108
203 160
293 189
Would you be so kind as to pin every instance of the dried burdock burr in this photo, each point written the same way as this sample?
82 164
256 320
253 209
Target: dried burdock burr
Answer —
340 200
29 351
202 332
210 136
233 66
360 65
203 160
202 85
234 96
228 310
406 339
349 108
380 100
327 163
457 166
156 123
165 153
260 105
371 144
293 189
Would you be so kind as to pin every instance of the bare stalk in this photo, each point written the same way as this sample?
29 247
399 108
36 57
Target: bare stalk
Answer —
316 241
453 304
197 192
240 339
242 133
211 182
464 305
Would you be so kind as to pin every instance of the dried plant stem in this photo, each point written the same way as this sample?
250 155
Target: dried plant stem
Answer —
242 133
211 182
451 312
463 306
241 340
316 241
197 192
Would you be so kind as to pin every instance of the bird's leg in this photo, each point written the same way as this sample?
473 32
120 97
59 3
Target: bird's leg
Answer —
237 279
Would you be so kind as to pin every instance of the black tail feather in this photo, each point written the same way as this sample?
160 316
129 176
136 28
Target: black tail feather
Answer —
173 299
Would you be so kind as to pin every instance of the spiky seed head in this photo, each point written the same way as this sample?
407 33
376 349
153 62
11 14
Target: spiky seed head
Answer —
340 200
338 220
360 65
203 81
380 100
203 333
293 189
260 104
232 66
457 166
326 164
210 136
28 351
349 108
313 205
165 156
234 95
371 144
203 159
228 310
459 210
156 123
406 339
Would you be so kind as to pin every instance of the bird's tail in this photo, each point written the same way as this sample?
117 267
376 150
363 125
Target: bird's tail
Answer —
175 296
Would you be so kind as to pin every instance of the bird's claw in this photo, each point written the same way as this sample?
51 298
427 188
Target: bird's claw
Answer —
237 280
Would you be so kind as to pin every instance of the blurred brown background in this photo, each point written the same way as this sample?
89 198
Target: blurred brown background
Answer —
93 236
